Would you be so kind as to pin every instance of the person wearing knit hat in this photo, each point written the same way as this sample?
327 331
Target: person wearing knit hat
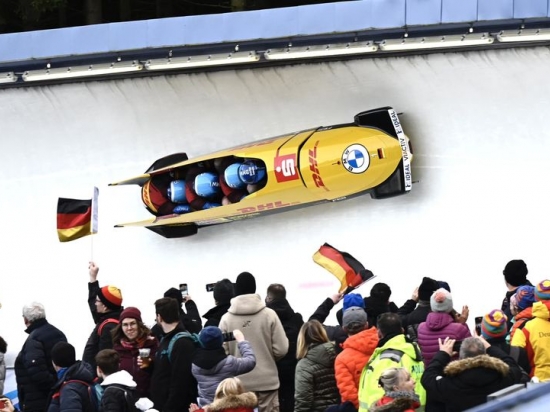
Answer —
439 324
427 288
63 354
223 291
521 307
515 275
542 291
211 365
245 284
493 325
415 310
441 301
106 306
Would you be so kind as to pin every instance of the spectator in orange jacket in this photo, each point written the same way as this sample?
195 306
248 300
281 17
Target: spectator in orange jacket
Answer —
358 349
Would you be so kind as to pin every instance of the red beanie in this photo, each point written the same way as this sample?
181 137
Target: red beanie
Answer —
110 296
130 312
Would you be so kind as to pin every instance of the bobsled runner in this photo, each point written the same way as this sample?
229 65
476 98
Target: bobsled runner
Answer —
324 164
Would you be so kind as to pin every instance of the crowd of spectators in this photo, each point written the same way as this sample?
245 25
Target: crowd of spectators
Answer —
257 354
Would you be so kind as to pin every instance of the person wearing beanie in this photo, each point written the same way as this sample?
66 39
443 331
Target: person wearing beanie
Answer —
263 329
515 275
223 293
211 364
292 322
416 309
74 379
356 352
34 371
535 334
439 324
130 337
191 320
245 284
379 302
105 306
521 307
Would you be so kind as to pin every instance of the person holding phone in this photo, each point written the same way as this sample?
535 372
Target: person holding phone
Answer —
223 292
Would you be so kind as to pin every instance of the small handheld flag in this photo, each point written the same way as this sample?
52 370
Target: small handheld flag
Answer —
348 270
77 218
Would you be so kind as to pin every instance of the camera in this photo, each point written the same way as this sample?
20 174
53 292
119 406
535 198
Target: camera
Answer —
183 289
228 336
478 325
456 346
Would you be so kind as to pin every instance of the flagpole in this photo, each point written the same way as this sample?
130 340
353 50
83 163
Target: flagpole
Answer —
92 248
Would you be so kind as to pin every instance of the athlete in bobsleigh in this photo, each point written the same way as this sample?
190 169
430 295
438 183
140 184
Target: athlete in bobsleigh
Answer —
240 179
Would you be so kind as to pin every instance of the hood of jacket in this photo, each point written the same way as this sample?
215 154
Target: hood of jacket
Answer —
526 313
79 371
36 324
246 304
244 400
282 308
323 354
399 342
364 341
388 404
438 320
481 361
120 378
541 310
208 359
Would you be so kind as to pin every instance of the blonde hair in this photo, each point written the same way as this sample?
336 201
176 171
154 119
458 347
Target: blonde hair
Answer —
311 332
228 387
391 378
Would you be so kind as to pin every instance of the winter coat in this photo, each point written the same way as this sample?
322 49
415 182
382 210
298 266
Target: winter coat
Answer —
351 361
33 366
316 388
214 315
263 329
412 313
129 353
191 321
244 402
97 342
375 308
210 367
119 392
335 333
465 383
535 338
392 351
173 387
397 402
292 322
520 319
72 396
439 325
2 372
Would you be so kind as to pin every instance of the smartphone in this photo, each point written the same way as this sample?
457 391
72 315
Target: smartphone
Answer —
210 287
478 325
456 346
228 336
183 290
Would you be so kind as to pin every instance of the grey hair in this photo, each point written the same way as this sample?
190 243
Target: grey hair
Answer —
471 347
34 311
391 378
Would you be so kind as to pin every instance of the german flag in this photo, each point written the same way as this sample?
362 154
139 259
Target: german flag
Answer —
76 218
348 270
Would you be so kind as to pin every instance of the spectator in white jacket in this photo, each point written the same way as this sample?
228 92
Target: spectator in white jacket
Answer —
263 329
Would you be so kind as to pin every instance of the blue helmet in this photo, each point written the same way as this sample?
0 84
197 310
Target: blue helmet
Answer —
231 176
250 173
176 191
207 184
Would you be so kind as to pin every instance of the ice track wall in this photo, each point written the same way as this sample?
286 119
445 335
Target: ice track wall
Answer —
478 123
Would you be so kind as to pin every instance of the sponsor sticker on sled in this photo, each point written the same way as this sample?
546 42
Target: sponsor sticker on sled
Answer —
405 149
285 168
355 158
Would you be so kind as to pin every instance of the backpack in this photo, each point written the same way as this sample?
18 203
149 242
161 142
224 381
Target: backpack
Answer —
95 393
191 336
128 397
105 322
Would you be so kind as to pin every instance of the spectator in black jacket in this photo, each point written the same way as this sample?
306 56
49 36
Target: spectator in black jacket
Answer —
335 333
119 388
173 387
379 302
416 309
223 293
34 371
191 321
71 391
105 305
292 322
481 370
515 275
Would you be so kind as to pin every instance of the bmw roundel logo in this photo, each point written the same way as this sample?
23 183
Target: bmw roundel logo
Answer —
356 158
